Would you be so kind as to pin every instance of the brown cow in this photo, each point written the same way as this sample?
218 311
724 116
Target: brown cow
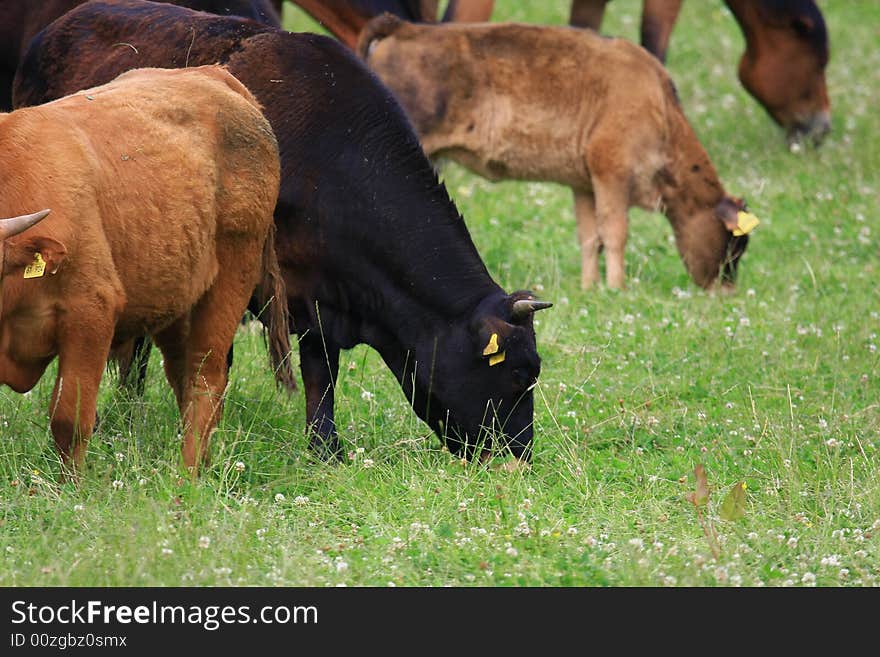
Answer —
20 20
512 101
161 186
783 66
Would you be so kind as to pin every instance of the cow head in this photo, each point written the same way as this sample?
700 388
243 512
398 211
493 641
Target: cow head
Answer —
16 255
474 382
712 242
784 65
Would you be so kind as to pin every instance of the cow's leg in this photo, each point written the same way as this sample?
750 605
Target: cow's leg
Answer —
213 323
611 215
319 364
172 342
82 354
587 13
588 236
658 19
133 373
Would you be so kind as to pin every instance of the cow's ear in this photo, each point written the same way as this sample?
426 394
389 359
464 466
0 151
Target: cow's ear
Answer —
36 256
492 337
733 214
375 30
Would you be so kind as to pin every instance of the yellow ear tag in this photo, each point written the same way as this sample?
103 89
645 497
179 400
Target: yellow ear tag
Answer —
745 223
37 268
497 358
492 346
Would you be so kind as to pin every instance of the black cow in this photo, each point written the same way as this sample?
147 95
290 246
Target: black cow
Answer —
371 246
20 20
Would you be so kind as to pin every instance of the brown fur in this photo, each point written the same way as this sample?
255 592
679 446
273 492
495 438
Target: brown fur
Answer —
783 66
162 185
557 104
344 19
20 20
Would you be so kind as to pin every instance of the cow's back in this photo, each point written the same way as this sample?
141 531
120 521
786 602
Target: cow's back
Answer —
144 176
512 100
97 41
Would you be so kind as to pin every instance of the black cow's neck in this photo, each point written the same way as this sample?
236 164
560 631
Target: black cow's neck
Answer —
391 242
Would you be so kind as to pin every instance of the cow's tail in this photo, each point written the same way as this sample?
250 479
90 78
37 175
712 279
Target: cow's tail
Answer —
271 304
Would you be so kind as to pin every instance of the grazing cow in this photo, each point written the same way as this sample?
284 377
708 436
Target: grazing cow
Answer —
512 101
161 186
20 20
371 247
783 66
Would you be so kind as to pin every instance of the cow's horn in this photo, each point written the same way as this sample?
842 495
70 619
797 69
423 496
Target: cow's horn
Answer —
525 307
16 225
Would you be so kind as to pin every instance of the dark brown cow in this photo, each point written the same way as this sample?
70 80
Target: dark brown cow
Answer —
371 247
345 18
528 102
161 186
783 66
20 20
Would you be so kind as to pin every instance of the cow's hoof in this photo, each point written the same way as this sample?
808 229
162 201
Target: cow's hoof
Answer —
327 449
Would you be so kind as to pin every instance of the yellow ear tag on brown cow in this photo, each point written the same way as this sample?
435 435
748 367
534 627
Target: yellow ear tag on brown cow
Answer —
37 268
745 223
497 358
492 346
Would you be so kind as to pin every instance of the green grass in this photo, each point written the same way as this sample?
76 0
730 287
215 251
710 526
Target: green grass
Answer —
776 386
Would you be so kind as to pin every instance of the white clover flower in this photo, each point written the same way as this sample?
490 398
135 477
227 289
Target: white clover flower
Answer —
279 497
167 551
366 395
78 507
239 466
120 457
261 533
792 542
512 551
117 484
369 463
572 531
204 542
341 566
301 500
522 529
809 579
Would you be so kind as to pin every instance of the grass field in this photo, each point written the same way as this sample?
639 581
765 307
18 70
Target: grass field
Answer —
777 386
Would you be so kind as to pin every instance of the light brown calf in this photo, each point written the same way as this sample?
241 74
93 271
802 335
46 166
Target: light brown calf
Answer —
161 186
558 104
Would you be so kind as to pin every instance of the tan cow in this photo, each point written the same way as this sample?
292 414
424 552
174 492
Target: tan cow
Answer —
559 104
159 188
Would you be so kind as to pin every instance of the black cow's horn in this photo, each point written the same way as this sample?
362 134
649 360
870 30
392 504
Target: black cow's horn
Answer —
16 225
525 307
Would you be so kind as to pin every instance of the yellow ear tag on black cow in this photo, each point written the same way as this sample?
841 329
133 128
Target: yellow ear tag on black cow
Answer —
745 223
37 268
497 358
492 346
